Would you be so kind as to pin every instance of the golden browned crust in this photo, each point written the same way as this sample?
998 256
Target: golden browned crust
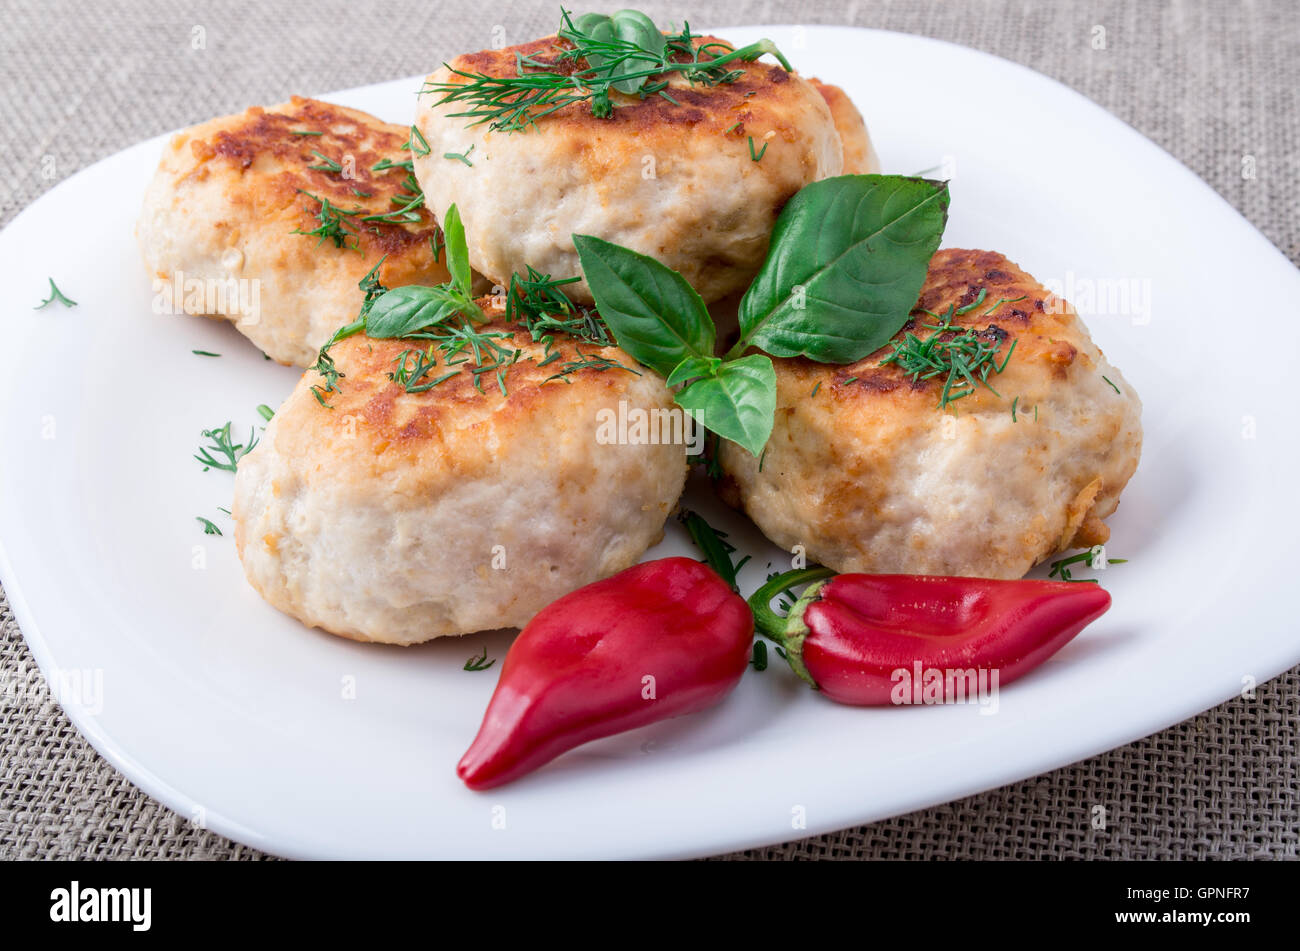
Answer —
371 414
264 142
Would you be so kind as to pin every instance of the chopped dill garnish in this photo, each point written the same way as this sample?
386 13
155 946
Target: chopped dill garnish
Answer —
460 156
409 202
265 411
372 289
586 361
731 128
817 387
847 380
360 194
984 291
538 304
1013 408
1001 301
588 72
1112 385
756 156
327 163
205 353
385 164
417 144
1061 569
966 356
304 132
208 527
223 445
55 295
479 661
457 345
333 223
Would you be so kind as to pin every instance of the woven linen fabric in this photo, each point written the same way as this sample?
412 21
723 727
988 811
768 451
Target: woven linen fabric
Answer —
1215 83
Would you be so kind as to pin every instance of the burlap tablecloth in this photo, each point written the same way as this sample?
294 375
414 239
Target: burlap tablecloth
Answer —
1212 82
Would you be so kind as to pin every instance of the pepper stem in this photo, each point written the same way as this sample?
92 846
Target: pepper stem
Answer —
768 622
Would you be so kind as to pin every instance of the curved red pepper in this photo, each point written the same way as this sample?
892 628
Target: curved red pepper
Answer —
855 635
661 639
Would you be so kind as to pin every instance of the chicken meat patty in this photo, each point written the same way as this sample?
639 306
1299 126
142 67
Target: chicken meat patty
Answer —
413 509
859 154
868 473
695 181
270 218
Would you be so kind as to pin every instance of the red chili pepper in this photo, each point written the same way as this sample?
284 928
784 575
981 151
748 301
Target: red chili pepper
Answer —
661 639
852 636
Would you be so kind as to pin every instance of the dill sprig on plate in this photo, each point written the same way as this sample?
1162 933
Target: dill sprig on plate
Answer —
1061 569
208 527
479 661
223 446
55 295
612 61
964 357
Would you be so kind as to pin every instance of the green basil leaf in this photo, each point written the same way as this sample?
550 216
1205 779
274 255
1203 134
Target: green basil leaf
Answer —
453 233
633 26
845 267
592 27
405 310
739 403
654 314
692 367
586 22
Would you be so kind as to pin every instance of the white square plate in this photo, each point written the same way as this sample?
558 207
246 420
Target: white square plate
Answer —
234 714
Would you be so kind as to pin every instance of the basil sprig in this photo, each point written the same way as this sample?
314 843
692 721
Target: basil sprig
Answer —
406 310
628 41
846 263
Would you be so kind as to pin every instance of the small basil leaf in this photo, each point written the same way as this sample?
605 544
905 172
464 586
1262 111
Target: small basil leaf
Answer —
633 26
692 367
739 403
599 30
846 264
586 22
654 314
453 233
405 310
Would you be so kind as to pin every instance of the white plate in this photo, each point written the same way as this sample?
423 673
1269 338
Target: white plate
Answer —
231 713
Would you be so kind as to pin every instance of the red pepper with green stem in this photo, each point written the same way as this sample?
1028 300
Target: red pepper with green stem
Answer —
848 635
